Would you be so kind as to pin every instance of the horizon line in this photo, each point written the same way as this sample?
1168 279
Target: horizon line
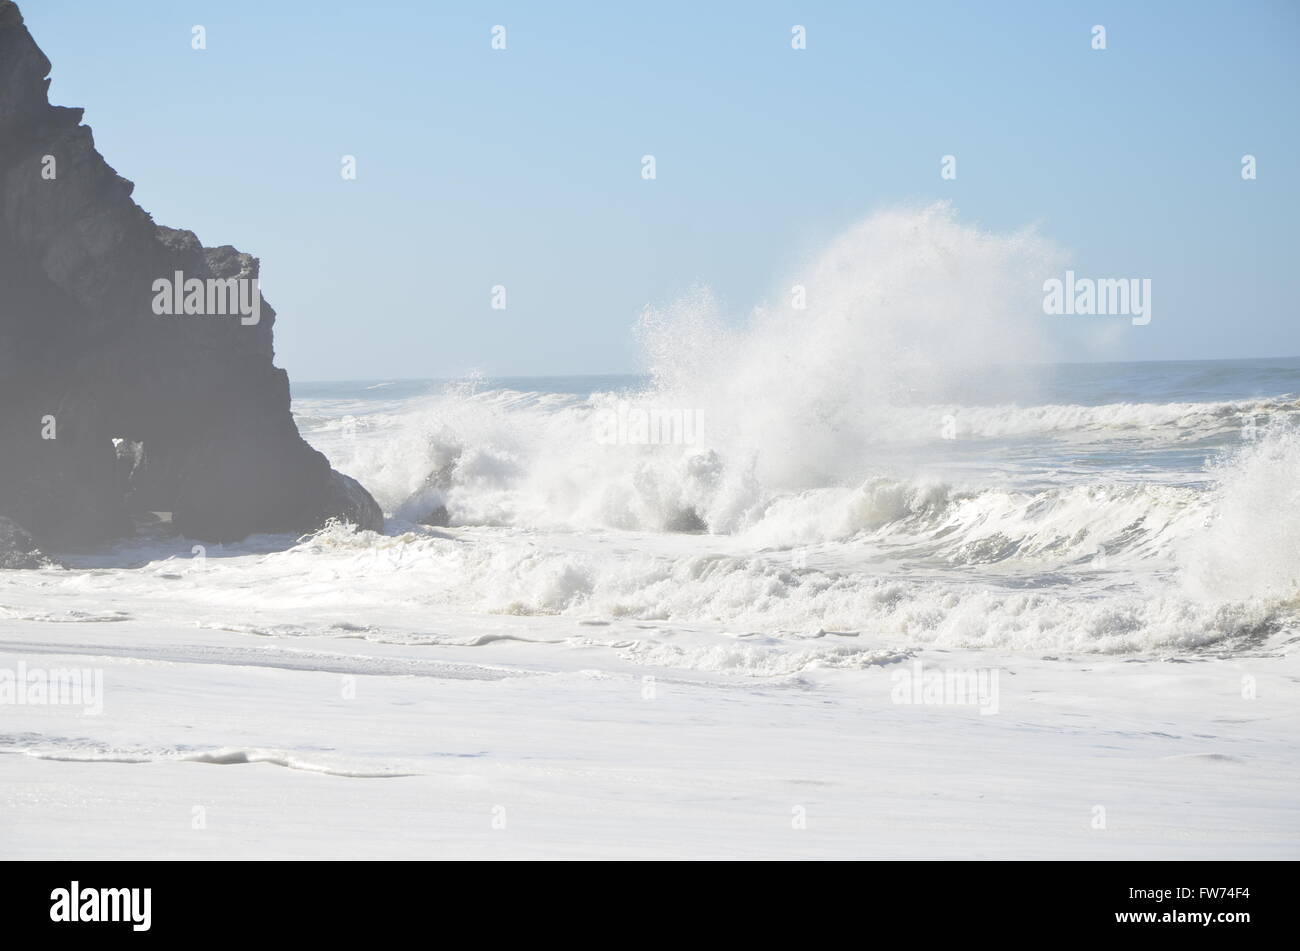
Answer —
571 376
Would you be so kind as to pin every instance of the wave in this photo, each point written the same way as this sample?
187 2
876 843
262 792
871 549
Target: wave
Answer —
1183 421
825 578
770 595
816 445
1250 547
531 460
827 389
1108 566
1059 526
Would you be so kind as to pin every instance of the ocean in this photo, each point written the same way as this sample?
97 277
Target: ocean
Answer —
747 610
1092 507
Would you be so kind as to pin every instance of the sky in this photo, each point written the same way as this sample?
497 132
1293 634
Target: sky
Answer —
522 167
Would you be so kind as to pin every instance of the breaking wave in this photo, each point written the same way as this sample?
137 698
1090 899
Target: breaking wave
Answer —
839 485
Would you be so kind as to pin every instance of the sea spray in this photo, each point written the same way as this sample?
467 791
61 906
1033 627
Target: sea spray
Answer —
1251 547
790 399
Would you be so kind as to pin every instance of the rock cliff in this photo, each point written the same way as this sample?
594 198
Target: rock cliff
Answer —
134 377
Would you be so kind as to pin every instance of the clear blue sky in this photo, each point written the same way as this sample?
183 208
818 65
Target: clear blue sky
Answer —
478 167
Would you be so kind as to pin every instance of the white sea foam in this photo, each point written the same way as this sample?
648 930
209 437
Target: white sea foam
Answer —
791 403
825 434
1251 547
1117 609
788 400
1159 421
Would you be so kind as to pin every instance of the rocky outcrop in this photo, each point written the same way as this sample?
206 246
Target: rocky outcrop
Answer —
120 394
18 549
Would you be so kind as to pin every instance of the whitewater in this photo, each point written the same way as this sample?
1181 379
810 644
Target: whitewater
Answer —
586 634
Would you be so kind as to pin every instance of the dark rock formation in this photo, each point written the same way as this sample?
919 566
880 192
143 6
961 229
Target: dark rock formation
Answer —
18 549
200 410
